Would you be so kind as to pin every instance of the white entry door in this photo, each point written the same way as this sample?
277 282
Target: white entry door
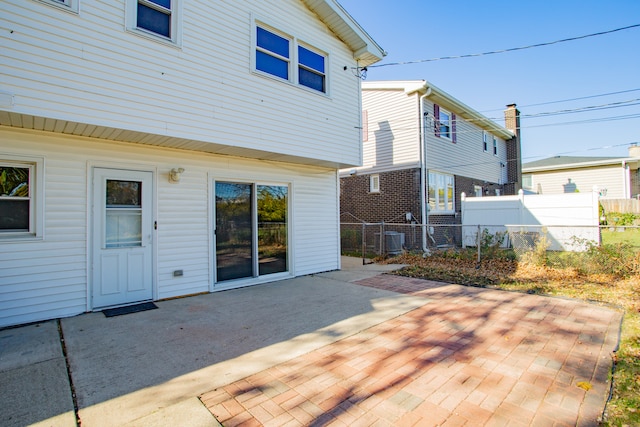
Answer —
122 237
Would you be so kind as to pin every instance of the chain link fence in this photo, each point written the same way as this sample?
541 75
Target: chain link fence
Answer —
522 242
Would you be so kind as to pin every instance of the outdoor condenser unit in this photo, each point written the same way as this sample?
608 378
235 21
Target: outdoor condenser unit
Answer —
394 242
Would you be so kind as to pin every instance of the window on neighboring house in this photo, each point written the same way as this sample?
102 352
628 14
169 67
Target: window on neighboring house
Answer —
275 56
527 181
69 5
445 123
374 183
20 207
365 126
156 18
498 192
477 190
495 147
485 141
441 193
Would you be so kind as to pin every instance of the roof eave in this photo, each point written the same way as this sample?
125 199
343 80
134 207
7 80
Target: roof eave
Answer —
365 50
612 162
444 99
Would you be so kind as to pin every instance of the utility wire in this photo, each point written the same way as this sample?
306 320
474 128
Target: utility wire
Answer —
566 100
504 50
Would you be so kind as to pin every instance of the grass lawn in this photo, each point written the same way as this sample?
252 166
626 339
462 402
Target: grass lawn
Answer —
613 235
622 291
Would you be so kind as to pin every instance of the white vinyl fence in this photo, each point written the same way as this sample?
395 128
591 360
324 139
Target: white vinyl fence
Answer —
568 221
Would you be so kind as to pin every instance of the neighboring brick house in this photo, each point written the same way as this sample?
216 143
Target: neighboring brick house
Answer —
422 148
614 177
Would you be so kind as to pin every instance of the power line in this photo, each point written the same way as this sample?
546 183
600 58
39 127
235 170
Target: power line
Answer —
566 100
504 50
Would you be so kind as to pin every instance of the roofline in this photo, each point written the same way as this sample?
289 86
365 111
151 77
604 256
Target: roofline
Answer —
578 165
434 92
365 49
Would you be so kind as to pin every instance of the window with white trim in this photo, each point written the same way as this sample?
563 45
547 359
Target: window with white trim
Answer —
495 147
527 181
311 69
444 123
278 54
441 193
154 18
68 5
374 184
477 190
485 141
20 197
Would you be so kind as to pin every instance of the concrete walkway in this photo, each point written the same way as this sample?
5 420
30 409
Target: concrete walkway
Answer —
352 347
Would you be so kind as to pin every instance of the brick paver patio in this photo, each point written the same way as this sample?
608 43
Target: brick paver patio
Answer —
468 356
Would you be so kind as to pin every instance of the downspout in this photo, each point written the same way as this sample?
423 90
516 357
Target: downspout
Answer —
626 180
423 170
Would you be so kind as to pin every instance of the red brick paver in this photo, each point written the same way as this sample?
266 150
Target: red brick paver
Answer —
468 356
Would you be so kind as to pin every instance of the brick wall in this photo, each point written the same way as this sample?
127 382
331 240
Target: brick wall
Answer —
399 194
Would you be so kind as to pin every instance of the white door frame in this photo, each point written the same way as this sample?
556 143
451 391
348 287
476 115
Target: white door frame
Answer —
91 197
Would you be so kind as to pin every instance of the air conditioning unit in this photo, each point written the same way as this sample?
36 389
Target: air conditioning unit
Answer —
394 242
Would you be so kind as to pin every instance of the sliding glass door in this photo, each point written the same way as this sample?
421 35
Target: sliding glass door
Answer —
251 230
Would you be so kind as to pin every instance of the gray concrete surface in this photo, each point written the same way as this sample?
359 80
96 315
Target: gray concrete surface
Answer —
146 369
34 385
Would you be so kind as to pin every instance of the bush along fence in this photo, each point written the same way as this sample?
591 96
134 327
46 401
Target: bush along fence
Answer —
549 244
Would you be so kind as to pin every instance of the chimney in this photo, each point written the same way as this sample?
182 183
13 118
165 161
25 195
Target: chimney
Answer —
634 149
514 156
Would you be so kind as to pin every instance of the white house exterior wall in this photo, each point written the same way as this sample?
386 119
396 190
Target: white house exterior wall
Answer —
86 68
609 180
48 278
393 137
466 157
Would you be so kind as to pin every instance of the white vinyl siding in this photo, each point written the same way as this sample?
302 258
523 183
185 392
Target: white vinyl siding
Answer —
463 158
608 179
67 5
393 140
87 68
393 130
49 278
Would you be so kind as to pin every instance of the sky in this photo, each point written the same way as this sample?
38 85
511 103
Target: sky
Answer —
603 70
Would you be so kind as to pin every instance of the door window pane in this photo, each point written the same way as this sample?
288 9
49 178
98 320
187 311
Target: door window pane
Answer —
123 220
234 237
272 228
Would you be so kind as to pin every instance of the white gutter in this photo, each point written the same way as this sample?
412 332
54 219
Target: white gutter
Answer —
626 180
423 170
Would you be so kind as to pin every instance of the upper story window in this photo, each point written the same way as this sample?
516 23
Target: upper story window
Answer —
154 18
365 126
311 69
485 141
20 198
272 53
69 5
527 181
445 123
278 54
441 193
495 147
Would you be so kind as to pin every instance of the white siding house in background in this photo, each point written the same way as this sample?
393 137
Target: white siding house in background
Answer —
614 177
152 149
423 148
